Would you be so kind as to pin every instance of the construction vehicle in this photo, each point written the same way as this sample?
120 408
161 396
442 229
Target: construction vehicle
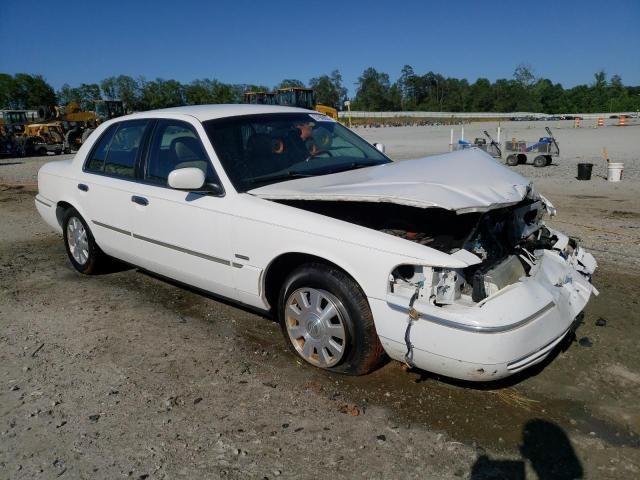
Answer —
260 98
13 121
291 97
18 137
71 120
104 110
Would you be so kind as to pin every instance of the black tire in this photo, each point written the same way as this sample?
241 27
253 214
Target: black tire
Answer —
512 160
363 352
540 161
96 259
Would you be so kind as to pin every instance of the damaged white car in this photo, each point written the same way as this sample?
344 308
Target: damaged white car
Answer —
444 262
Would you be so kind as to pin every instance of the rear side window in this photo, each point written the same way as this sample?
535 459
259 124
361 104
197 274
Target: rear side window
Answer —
99 153
117 150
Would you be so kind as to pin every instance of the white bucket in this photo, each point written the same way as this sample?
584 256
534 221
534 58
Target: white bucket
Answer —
615 171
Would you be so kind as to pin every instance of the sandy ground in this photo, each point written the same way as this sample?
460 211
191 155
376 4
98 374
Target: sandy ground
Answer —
127 376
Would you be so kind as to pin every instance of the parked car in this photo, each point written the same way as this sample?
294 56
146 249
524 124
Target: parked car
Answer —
443 262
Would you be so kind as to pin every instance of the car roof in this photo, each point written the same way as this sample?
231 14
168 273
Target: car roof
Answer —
210 112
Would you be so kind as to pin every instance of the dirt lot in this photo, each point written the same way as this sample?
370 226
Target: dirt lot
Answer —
127 376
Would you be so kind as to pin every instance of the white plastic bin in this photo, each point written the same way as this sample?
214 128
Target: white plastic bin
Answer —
615 171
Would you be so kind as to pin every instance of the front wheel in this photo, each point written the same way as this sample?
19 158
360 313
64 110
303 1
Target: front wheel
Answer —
82 249
326 320
540 161
512 160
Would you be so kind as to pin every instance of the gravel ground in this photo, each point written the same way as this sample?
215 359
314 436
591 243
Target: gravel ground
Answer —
127 376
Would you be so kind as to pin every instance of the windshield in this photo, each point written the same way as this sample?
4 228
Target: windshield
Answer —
257 150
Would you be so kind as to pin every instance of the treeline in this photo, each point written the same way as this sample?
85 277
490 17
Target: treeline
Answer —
525 92
374 92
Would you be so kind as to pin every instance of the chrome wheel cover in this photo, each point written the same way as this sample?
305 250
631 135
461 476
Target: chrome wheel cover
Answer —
77 241
315 323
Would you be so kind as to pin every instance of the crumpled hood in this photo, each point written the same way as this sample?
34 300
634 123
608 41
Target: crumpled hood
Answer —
467 180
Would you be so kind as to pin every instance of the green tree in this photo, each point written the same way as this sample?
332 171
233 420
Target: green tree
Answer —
30 91
328 89
373 91
125 88
7 91
482 96
524 75
325 91
160 93
89 93
407 86
290 82
68 94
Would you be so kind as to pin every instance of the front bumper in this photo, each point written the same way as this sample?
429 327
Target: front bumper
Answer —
507 332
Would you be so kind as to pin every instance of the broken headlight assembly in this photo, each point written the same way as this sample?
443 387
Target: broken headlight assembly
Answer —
436 285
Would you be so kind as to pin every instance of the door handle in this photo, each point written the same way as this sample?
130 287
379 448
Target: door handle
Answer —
140 200
83 187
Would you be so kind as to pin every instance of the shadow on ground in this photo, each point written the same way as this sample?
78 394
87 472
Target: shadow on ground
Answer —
547 448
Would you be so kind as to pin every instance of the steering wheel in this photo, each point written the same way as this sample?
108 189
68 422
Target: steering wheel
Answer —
318 153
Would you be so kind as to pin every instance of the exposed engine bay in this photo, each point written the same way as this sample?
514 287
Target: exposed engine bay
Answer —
504 239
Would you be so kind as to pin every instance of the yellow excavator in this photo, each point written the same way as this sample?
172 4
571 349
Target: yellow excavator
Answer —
291 97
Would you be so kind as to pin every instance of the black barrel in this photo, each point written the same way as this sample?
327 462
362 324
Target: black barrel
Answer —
584 171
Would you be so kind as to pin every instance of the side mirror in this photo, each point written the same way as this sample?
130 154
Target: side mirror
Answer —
190 178
379 146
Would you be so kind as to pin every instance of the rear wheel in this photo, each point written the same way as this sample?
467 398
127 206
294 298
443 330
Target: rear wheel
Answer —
540 161
326 320
512 160
82 249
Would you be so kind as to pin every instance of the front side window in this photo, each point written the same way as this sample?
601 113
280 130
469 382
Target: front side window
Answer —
257 150
174 145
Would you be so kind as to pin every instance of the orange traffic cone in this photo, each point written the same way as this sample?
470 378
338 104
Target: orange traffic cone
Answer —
621 121
601 122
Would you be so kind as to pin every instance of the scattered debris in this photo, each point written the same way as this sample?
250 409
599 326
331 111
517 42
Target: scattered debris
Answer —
349 408
514 398
585 342
37 350
197 400
601 322
95 417
382 438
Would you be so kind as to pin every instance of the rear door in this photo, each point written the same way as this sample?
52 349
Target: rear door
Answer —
107 188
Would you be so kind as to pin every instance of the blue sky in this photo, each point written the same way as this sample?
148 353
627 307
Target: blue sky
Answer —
264 42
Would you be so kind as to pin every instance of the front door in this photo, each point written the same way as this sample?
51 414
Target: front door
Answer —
182 235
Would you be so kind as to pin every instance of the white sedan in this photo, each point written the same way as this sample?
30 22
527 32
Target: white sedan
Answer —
443 262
